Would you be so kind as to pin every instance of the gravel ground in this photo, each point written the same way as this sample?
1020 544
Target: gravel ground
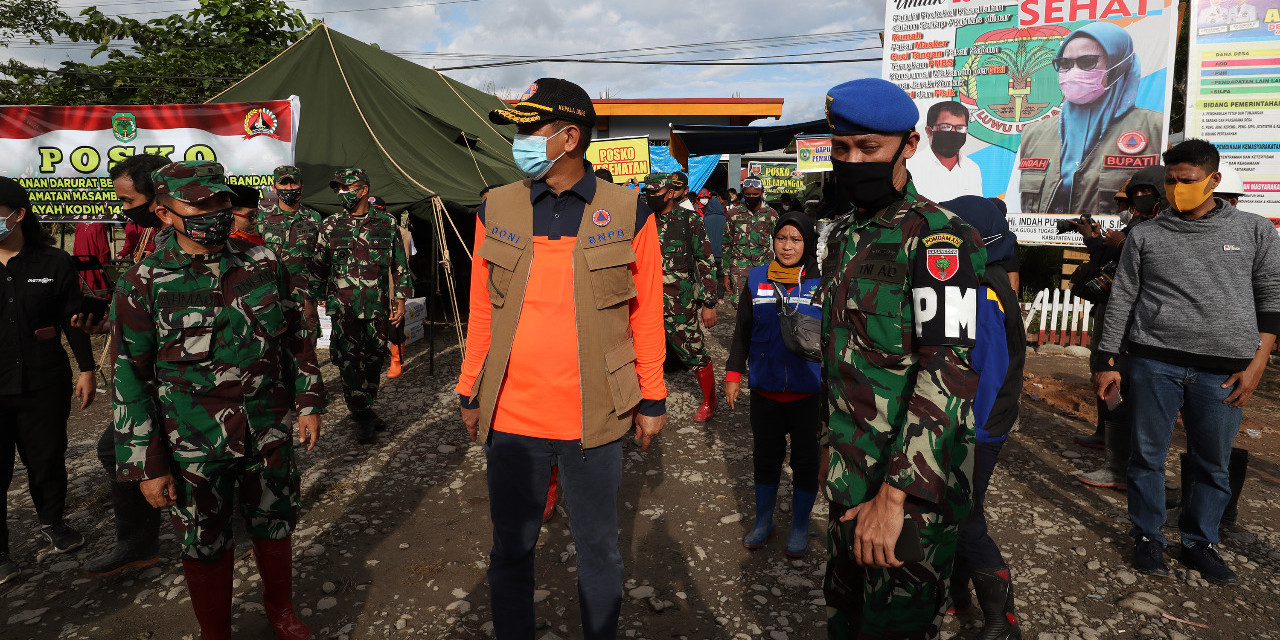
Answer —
394 538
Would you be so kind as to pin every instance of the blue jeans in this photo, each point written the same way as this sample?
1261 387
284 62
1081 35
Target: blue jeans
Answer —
1157 391
519 474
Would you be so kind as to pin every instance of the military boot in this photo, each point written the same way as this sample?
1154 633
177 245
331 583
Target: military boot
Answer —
137 533
364 426
994 587
1114 474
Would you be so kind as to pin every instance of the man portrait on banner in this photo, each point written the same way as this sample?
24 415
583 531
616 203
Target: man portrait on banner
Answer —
1072 162
1215 13
1242 12
944 173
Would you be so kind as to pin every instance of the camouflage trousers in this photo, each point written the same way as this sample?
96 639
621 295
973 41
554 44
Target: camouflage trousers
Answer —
266 489
684 339
359 349
738 271
906 603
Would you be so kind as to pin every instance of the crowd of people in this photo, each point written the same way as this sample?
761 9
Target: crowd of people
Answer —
883 357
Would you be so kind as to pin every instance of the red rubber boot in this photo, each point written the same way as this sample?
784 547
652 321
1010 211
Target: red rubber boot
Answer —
275 567
209 584
706 380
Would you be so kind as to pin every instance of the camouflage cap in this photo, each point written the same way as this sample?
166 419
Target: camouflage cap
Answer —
287 171
347 177
657 180
191 182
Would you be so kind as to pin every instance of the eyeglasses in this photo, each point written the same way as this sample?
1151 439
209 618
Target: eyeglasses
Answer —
752 183
958 128
1085 63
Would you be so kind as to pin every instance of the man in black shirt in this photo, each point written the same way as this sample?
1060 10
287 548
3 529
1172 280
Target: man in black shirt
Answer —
39 294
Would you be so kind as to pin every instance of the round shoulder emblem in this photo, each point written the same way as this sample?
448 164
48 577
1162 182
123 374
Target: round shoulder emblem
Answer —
600 217
1132 142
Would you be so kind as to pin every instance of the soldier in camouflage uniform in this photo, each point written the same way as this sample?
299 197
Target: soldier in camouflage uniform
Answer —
361 273
687 284
748 237
899 308
212 361
291 229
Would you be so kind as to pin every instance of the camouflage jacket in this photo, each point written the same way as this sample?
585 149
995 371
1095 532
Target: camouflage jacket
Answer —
687 262
899 308
209 362
353 260
292 235
748 236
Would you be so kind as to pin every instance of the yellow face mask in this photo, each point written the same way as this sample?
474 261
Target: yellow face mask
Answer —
1186 197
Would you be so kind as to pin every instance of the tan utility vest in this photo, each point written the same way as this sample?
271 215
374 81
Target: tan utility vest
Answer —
1131 142
602 288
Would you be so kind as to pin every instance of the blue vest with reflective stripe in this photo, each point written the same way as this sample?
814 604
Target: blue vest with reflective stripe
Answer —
770 366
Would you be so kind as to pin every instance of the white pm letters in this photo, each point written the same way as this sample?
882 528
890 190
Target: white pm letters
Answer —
959 311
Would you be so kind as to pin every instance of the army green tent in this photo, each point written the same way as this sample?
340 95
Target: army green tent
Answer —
417 133
424 139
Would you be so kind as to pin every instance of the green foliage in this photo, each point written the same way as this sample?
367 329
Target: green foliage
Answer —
32 19
177 59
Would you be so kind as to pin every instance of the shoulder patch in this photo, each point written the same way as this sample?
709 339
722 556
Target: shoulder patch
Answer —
941 238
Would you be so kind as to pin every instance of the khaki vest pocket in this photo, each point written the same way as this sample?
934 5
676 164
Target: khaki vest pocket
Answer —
502 259
624 384
610 273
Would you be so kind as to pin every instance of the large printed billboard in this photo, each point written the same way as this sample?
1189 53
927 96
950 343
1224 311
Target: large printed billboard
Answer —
1050 104
1233 92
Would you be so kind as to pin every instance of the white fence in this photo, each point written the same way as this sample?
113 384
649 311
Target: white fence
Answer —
1057 317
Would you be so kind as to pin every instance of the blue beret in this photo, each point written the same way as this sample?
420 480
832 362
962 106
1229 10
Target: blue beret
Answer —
870 105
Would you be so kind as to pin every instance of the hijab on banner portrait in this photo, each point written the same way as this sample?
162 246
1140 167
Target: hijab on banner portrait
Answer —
1063 100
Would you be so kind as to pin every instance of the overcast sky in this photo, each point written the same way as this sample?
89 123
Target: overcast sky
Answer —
473 31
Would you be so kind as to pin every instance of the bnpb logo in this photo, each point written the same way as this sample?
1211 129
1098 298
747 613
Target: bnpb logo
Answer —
600 217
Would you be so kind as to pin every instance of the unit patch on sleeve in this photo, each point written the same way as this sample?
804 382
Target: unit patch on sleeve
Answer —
944 291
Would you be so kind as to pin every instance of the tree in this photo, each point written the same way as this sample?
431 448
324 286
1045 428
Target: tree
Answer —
30 18
172 60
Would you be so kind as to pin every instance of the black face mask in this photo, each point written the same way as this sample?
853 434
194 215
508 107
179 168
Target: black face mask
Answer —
209 229
868 185
947 144
142 216
656 202
1145 205
752 203
290 197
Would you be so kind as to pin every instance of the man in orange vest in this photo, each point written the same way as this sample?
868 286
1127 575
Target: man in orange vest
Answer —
564 353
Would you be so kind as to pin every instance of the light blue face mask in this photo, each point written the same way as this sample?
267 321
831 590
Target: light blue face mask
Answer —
5 229
530 153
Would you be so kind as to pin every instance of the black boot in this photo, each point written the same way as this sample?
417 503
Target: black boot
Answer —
1235 475
364 426
961 595
137 533
994 587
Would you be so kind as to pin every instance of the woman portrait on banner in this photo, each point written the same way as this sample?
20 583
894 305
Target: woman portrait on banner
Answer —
1073 161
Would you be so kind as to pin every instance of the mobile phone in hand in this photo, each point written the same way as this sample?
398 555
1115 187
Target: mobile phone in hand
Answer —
909 548
1111 396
